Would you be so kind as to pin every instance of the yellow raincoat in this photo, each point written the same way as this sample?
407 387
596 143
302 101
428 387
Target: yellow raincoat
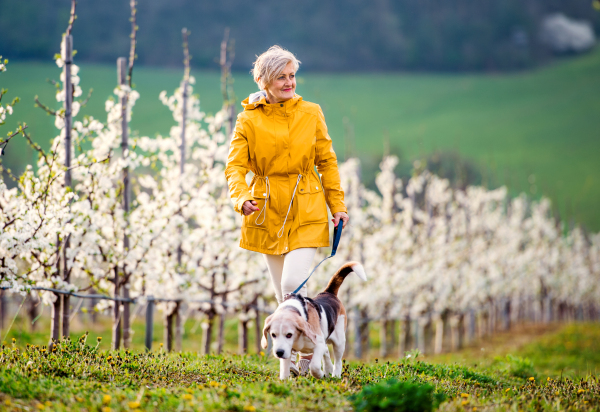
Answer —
281 144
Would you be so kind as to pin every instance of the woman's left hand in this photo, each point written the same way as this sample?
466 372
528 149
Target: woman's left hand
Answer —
340 215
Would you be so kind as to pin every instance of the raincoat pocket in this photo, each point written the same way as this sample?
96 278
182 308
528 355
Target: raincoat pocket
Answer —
258 219
311 202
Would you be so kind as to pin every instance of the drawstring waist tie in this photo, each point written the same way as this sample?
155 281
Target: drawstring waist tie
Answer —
268 195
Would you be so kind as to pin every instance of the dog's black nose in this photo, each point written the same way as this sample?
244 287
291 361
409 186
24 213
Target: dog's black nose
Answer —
279 353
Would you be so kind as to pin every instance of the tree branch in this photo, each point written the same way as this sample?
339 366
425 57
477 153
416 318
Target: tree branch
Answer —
45 108
133 36
72 17
4 143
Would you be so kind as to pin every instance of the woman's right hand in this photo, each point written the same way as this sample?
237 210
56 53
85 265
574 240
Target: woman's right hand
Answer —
249 207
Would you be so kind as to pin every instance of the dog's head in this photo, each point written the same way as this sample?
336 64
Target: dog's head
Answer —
285 327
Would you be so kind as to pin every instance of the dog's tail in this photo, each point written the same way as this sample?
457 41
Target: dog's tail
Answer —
336 280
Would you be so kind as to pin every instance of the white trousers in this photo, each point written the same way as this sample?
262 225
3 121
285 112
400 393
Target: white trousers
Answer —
289 271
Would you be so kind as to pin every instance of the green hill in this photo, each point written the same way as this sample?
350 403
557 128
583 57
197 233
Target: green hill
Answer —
536 131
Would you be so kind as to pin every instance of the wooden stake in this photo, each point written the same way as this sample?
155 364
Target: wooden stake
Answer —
122 74
149 323
116 332
68 106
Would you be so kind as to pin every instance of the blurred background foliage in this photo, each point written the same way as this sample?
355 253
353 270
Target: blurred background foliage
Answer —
347 35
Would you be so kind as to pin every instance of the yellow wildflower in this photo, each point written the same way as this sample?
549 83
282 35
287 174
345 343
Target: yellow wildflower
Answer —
262 353
249 408
40 406
134 405
188 397
464 403
106 399
79 399
580 391
213 384
106 409
507 389
464 395
7 402
531 378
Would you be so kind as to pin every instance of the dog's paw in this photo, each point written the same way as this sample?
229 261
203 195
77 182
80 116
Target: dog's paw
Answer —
317 373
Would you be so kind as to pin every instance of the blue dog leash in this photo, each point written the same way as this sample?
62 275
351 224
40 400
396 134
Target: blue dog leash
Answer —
337 235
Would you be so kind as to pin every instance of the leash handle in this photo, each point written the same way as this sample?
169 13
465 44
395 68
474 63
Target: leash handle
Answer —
337 235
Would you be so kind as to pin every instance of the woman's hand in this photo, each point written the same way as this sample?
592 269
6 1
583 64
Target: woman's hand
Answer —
337 216
249 207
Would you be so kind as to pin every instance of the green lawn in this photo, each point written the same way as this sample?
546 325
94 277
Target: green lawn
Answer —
544 123
82 375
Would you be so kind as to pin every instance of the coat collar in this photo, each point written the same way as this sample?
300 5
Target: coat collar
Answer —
258 99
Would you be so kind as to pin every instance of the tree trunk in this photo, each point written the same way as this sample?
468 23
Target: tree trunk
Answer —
207 339
439 334
66 299
32 309
482 324
178 314
470 336
55 322
116 332
383 339
392 335
3 308
358 350
506 315
405 334
168 333
127 332
258 332
221 338
364 333
456 325
421 324
93 315
243 336
56 306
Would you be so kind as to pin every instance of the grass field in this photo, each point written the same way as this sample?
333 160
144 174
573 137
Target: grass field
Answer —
83 376
535 131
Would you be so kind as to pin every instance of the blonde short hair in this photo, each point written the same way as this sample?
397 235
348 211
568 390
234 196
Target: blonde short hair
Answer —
270 64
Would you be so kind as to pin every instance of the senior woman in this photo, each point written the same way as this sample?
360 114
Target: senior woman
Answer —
281 138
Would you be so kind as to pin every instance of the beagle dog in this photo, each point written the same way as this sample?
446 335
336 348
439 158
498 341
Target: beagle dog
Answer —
308 325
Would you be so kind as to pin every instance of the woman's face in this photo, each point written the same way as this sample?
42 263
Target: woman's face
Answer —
284 86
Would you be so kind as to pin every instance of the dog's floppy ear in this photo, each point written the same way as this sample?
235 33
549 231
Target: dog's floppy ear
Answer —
304 327
264 342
